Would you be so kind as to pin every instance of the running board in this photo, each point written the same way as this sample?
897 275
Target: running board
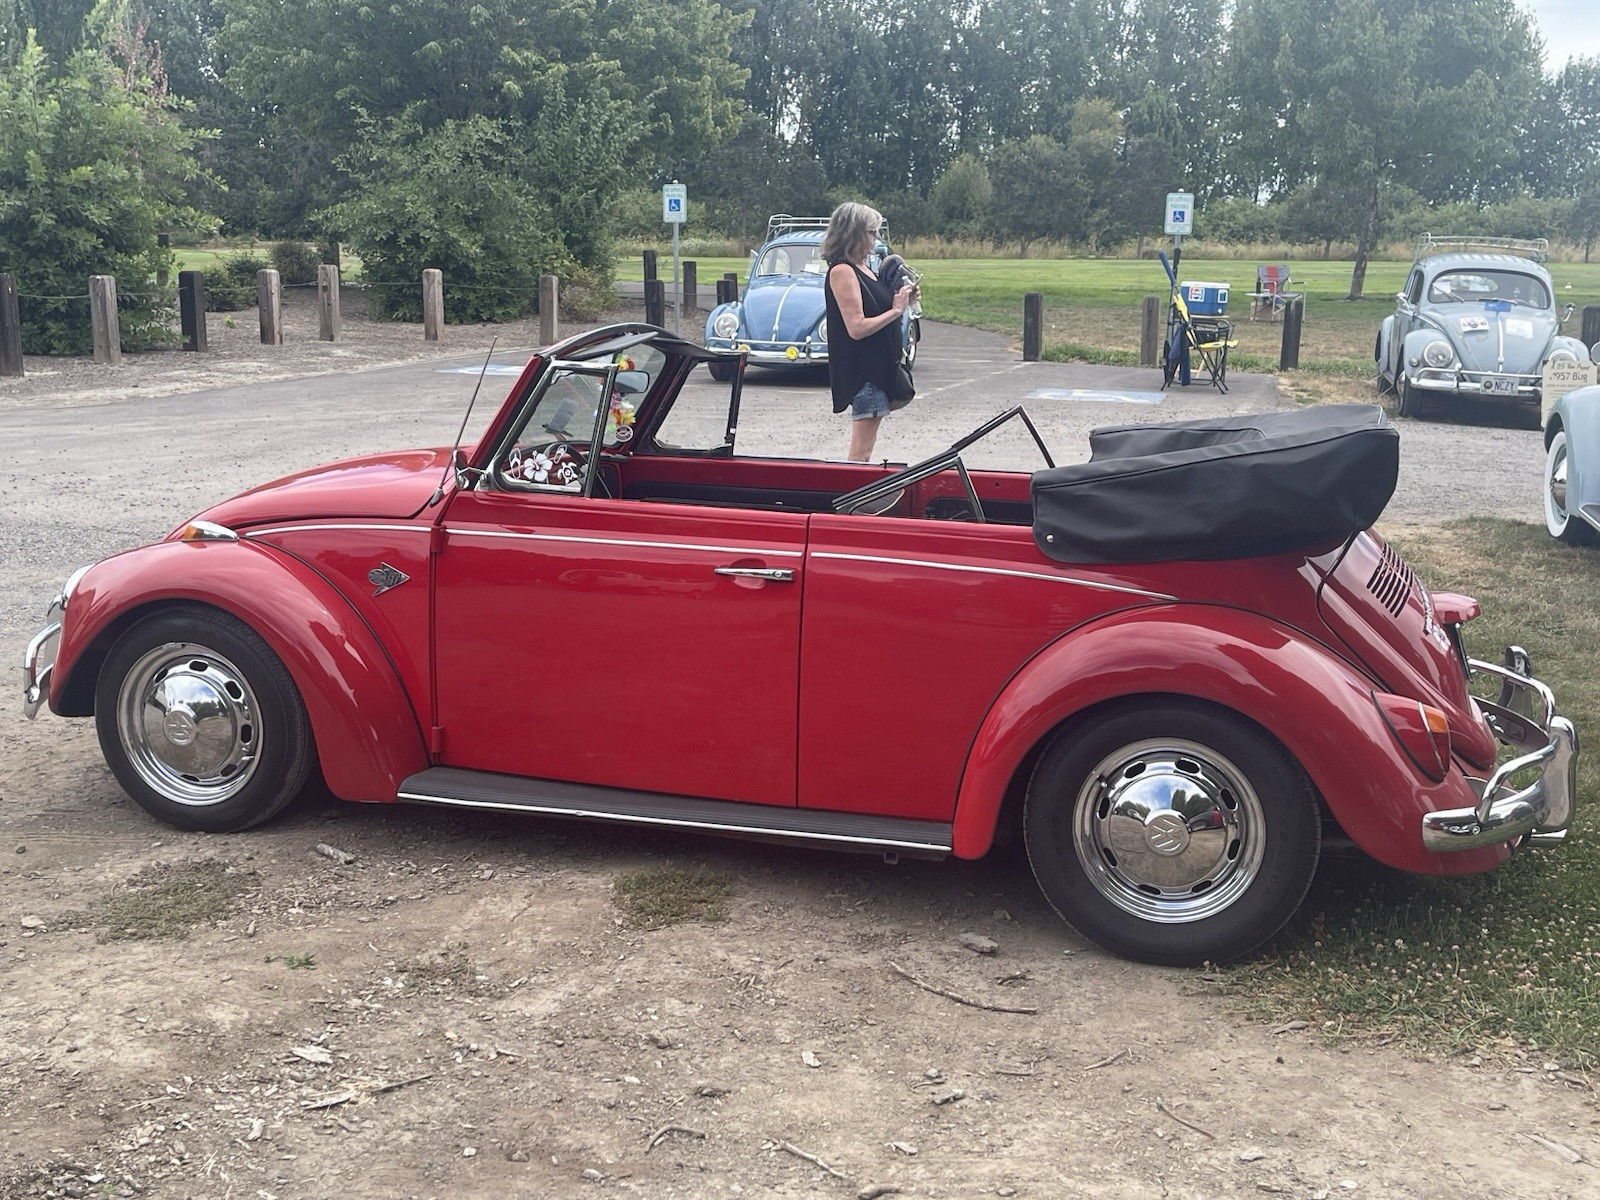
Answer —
457 788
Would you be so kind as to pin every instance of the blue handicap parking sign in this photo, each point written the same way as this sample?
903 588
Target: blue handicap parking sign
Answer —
674 204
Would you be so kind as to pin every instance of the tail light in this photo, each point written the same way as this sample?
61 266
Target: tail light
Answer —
1422 731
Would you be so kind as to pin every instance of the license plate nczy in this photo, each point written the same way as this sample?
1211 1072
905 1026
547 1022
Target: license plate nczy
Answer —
1499 385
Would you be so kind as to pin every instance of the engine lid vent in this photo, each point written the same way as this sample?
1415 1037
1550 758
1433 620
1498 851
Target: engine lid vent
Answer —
1392 581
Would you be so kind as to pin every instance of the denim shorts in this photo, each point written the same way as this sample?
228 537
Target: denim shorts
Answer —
870 401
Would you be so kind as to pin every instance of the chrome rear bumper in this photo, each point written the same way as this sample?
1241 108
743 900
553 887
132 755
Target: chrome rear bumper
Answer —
1539 809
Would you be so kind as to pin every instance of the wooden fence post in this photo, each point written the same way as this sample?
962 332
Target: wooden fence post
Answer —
722 291
733 286
691 284
103 319
655 302
1032 326
649 265
192 308
1590 327
432 303
1150 332
549 310
328 302
10 329
1293 315
269 303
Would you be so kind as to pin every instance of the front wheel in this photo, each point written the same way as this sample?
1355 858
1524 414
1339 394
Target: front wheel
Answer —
1172 832
913 340
720 371
1408 400
201 723
1558 516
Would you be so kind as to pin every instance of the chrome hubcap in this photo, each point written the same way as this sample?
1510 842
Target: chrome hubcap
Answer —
1558 483
189 723
1169 830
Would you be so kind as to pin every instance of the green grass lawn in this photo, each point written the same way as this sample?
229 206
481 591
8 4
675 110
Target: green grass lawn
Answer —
1504 960
1092 306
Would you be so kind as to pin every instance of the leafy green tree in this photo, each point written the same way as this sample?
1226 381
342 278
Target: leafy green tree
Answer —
590 95
1036 187
449 197
1094 139
92 164
749 177
963 196
1583 222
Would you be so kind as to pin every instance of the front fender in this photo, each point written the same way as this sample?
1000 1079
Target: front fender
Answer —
1578 414
1415 341
1318 706
367 735
735 308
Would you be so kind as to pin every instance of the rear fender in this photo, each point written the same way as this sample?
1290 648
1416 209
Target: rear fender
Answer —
1316 705
366 732
1382 353
1578 414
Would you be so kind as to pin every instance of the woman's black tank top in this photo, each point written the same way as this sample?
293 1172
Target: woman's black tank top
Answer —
870 360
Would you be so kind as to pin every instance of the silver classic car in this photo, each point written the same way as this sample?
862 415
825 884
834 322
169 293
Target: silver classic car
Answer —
1477 318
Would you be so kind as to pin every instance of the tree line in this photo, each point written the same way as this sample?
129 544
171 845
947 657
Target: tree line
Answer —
503 139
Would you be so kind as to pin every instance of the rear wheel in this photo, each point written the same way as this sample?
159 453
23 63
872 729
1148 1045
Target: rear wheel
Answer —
201 723
1172 832
1558 518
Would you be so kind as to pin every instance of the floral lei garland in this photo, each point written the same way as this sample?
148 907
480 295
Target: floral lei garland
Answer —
554 464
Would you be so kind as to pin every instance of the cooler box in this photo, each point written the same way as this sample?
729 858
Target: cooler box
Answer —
1204 299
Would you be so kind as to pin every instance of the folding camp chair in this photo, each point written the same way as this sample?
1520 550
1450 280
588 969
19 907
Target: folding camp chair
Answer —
1272 292
1189 337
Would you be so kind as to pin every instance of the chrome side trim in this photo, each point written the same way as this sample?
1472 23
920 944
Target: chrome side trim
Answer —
940 566
255 533
600 541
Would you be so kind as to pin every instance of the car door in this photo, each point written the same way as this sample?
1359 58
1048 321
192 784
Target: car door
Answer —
645 646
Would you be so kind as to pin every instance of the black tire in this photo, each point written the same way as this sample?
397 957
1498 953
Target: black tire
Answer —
201 723
721 372
1559 520
1409 402
1165 888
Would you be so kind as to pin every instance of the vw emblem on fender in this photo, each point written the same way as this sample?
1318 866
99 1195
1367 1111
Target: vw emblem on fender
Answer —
383 577
1167 833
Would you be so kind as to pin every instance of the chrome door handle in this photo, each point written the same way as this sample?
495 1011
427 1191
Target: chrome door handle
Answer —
770 574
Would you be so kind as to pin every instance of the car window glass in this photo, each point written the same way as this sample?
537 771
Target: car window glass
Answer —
699 416
1469 287
1414 287
793 259
548 451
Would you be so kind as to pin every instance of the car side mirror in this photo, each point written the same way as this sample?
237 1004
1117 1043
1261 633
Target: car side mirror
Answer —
631 383
1566 313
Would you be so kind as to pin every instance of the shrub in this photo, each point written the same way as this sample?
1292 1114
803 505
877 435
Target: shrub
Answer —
586 294
91 166
231 285
296 262
454 198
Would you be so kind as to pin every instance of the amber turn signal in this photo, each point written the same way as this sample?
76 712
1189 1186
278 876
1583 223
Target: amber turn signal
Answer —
1422 731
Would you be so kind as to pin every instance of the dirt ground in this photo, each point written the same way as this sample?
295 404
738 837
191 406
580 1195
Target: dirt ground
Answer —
464 1011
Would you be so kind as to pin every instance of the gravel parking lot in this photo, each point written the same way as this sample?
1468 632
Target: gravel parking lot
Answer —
463 1011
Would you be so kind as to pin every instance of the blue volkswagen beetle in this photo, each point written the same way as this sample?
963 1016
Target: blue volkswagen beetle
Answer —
781 320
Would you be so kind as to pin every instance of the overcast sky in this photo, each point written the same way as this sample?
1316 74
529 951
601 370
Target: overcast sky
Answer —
1570 28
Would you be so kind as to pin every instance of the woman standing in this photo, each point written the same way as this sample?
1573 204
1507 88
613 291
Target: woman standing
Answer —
863 324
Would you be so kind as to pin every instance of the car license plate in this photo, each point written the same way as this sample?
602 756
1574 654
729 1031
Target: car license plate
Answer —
1499 385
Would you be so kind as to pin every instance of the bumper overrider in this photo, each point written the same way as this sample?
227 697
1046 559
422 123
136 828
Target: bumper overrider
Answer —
39 659
1530 795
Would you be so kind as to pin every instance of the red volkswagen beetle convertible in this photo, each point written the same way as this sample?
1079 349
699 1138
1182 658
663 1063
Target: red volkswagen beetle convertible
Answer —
1174 669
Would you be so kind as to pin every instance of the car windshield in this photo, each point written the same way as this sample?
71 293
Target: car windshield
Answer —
1471 287
793 258
542 454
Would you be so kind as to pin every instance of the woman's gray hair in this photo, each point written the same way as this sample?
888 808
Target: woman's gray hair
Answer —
853 228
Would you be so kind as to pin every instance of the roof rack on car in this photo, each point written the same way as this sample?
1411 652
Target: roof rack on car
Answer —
782 223
1538 249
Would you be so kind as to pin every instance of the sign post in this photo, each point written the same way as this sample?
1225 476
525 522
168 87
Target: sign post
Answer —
1179 220
674 210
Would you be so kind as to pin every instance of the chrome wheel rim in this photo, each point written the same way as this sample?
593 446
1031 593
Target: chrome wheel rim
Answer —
1169 831
189 724
1555 492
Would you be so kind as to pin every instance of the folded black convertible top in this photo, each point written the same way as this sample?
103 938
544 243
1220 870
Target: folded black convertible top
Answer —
1230 487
